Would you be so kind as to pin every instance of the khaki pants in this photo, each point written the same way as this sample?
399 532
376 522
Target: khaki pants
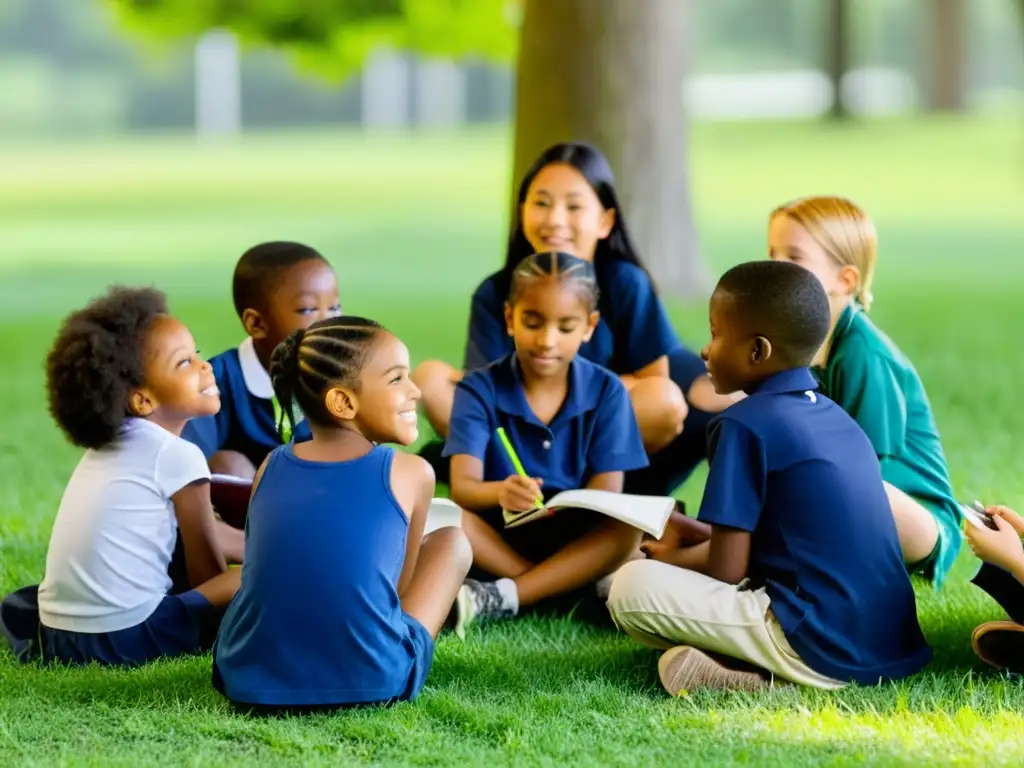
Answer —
662 606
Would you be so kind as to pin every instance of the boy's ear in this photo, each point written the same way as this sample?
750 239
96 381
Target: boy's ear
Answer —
342 403
761 350
254 324
140 403
591 325
508 318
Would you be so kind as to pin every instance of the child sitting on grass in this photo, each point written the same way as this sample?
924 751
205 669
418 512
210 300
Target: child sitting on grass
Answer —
573 426
278 288
862 370
802 575
123 379
342 597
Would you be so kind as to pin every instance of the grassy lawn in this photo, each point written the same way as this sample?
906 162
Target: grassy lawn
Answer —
411 225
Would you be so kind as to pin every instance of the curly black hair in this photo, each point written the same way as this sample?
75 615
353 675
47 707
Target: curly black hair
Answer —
97 360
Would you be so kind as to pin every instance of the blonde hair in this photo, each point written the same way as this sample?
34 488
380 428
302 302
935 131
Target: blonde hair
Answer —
843 231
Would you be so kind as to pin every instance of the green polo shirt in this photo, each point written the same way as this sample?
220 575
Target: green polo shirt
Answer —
873 381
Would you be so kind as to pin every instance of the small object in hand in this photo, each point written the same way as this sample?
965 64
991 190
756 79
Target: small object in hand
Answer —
978 516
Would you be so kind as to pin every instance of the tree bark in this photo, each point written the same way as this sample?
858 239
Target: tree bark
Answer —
611 72
948 71
837 57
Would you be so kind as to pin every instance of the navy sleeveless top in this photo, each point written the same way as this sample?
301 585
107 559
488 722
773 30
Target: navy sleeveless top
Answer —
317 620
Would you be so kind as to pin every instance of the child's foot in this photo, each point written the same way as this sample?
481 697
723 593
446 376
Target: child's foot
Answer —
483 600
1000 644
683 669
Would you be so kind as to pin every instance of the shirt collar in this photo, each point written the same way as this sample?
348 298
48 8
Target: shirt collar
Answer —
843 323
792 380
257 380
510 395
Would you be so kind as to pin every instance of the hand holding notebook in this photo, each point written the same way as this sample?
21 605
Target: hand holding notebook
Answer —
647 513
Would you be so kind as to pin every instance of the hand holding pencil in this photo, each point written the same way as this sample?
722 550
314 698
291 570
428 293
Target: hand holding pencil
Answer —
519 492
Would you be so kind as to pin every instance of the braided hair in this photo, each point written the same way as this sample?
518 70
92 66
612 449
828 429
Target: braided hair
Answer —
308 363
558 266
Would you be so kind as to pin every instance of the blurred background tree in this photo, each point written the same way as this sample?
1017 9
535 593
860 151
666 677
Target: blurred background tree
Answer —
610 71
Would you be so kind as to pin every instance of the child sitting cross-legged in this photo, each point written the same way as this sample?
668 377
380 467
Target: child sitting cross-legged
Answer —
803 575
342 596
570 423
123 379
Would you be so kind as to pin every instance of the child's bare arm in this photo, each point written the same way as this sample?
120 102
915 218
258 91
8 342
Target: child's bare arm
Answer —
607 481
414 479
729 555
725 556
258 477
203 556
470 491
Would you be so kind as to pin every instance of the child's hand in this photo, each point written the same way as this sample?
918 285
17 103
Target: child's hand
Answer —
520 494
1016 521
1002 547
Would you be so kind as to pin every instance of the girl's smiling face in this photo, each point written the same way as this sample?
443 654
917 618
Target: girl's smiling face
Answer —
562 212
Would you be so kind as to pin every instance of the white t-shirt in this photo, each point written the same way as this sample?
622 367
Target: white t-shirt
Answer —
112 541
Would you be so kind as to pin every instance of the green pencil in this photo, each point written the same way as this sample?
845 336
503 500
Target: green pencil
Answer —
514 458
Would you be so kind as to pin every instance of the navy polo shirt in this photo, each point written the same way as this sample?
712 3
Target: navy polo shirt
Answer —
595 431
794 469
634 329
245 422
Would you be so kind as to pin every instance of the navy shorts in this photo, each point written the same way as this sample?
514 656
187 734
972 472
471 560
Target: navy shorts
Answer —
418 644
539 540
182 624
421 648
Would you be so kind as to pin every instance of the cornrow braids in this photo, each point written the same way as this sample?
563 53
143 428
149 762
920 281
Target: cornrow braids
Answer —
558 266
307 363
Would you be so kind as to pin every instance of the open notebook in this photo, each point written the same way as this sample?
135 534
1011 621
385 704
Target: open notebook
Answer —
230 497
647 513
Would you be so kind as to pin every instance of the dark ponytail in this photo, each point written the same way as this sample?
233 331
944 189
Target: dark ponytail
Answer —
308 363
284 376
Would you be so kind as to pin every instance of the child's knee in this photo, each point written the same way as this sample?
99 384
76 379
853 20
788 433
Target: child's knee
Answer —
433 376
626 537
457 548
630 581
232 463
660 409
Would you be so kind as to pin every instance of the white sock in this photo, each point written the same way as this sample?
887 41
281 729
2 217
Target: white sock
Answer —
509 594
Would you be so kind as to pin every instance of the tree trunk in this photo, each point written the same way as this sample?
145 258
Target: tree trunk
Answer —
611 72
837 57
948 73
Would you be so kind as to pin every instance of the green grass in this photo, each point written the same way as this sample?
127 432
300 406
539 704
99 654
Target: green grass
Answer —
411 225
